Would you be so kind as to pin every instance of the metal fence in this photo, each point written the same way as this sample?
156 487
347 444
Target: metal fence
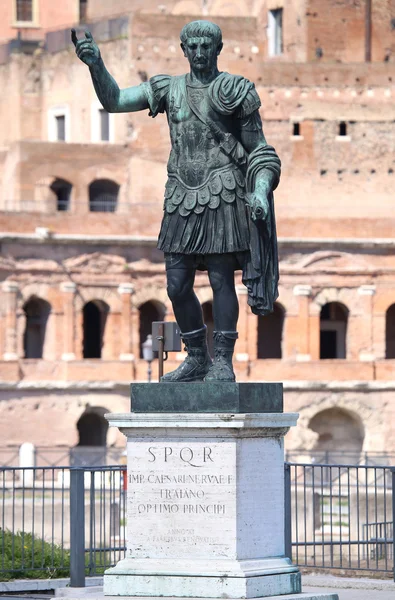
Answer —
91 456
62 521
337 457
341 516
59 522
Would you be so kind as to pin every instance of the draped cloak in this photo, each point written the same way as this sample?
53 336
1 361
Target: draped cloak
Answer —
206 209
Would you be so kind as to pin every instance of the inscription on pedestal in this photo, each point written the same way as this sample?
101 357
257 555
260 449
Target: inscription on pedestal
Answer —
191 486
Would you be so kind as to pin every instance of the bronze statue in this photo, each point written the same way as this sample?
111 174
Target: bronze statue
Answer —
218 210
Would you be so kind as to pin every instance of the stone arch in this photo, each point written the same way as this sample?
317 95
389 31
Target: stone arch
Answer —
37 312
270 333
359 406
103 195
103 171
61 189
105 294
145 294
94 322
328 295
92 427
333 330
54 193
338 429
92 430
150 311
390 332
39 290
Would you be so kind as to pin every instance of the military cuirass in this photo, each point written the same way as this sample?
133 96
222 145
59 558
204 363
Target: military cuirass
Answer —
194 152
200 173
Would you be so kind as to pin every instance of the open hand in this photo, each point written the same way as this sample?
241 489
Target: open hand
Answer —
86 49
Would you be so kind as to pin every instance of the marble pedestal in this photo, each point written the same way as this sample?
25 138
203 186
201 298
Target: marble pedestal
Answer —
205 497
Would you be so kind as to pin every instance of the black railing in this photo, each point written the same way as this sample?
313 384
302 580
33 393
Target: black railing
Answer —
336 457
341 516
98 536
53 456
62 521
34 523
380 538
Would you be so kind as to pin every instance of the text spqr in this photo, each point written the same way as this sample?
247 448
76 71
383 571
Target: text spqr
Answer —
195 458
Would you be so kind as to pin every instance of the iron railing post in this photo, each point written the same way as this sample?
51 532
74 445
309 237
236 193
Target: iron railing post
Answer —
287 512
77 528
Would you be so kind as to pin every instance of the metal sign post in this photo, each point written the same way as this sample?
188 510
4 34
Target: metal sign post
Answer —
166 337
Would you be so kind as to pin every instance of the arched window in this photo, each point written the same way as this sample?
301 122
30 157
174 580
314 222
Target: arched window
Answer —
95 316
338 429
92 433
208 319
390 332
270 333
333 330
103 195
92 428
62 190
37 312
149 312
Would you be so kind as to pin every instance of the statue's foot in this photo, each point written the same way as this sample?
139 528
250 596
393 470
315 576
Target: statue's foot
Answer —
192 369
220 370
198 362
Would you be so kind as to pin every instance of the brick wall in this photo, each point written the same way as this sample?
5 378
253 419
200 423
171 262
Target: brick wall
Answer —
338 29
47 15
334 209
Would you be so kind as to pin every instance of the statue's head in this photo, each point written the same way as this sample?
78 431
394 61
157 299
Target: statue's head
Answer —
201 42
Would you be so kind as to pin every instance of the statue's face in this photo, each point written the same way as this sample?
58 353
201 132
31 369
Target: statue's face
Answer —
201 53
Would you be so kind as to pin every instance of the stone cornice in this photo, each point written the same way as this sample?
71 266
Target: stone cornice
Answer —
338 243
78 238
146 240
124 386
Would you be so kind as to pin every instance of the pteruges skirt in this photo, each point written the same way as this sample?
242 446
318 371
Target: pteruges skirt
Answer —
212 219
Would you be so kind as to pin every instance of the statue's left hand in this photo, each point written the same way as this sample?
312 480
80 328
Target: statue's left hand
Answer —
259 204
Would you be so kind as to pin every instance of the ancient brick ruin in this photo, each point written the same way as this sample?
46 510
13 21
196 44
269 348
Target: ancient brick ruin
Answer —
81 202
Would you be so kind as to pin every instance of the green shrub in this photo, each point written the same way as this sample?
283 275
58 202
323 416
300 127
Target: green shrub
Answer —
24 556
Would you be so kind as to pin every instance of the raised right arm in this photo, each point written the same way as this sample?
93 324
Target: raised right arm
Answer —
113 99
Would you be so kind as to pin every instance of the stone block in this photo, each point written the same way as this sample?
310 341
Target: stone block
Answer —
205 505
211 397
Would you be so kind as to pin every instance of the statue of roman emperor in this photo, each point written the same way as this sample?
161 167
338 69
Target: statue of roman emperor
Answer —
218 212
